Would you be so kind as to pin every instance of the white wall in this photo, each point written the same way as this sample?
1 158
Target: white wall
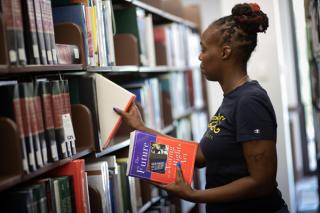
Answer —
272 66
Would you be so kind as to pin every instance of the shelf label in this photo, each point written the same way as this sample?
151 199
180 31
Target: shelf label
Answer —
68 128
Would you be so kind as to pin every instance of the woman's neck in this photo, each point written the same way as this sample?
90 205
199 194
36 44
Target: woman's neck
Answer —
233 80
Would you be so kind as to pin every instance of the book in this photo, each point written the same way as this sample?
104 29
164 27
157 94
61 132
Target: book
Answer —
18 25
114 183
154 157
30 32
117 97
125 185
73 14
68 54
46 21
57 109
75 169
11 107
40 122
33 152
101 95
10 31
48 184
63 194
40 32
98 183
44 88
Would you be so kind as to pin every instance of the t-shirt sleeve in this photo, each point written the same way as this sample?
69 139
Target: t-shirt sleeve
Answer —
255 119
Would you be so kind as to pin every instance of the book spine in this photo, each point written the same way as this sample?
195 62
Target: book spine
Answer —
43 198
110 17
34 124
51 31
10 31
65 116
27 127
48 121
67 103
68 54
90 35
94 34
30 32
40 123
57 106
106 36
46 29
18 118
18 24
100 34
40 32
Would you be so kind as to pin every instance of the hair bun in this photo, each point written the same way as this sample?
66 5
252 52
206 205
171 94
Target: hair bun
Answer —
250 18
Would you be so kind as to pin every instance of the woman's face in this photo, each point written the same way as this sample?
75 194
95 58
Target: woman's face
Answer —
210 56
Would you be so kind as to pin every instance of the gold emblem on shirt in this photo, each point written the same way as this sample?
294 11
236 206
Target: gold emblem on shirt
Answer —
215 121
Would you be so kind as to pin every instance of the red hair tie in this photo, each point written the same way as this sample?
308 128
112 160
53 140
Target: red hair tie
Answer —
254 7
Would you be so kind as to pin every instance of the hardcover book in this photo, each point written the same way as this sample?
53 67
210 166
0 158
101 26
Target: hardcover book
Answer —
154 157
100 95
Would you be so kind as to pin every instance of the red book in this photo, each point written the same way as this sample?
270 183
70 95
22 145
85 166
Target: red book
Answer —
75 169
30 32
10 30
18 25
155 157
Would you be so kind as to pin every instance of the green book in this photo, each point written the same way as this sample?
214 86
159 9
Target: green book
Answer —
63 194
122 162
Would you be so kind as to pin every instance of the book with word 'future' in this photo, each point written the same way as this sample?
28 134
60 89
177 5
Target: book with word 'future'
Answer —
155 157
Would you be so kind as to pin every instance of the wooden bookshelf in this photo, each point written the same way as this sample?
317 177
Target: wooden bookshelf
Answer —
80 69
3 68
46 68
56 164
81 116
113 148
161 13
7 182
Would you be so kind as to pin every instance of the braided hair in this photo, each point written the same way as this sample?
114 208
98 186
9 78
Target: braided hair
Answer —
241 27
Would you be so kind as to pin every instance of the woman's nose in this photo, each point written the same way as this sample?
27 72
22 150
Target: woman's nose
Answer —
200 56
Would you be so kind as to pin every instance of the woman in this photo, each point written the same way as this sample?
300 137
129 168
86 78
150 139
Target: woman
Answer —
239 146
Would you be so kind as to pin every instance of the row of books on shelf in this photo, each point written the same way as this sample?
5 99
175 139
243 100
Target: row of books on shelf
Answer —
98 186
124 36
29 34
42 112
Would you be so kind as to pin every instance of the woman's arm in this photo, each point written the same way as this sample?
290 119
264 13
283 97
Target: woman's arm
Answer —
262 165
134 119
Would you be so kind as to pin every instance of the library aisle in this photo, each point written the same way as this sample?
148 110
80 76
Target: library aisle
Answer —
64 65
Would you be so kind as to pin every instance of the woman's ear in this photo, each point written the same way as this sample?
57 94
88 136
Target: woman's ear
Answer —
226 52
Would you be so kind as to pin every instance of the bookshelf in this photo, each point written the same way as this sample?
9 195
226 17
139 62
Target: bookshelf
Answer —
84 126
163 14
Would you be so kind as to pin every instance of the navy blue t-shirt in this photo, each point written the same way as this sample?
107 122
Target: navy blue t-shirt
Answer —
245 114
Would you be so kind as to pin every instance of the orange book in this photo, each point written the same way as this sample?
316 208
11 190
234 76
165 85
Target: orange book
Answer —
155 157
76 169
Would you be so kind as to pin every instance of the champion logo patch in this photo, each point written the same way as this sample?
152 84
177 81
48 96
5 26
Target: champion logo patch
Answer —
256 131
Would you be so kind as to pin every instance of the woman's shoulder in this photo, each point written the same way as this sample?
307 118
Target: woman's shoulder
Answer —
254 92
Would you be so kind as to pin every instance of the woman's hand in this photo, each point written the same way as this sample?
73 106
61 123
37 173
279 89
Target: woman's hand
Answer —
132 117
179 188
